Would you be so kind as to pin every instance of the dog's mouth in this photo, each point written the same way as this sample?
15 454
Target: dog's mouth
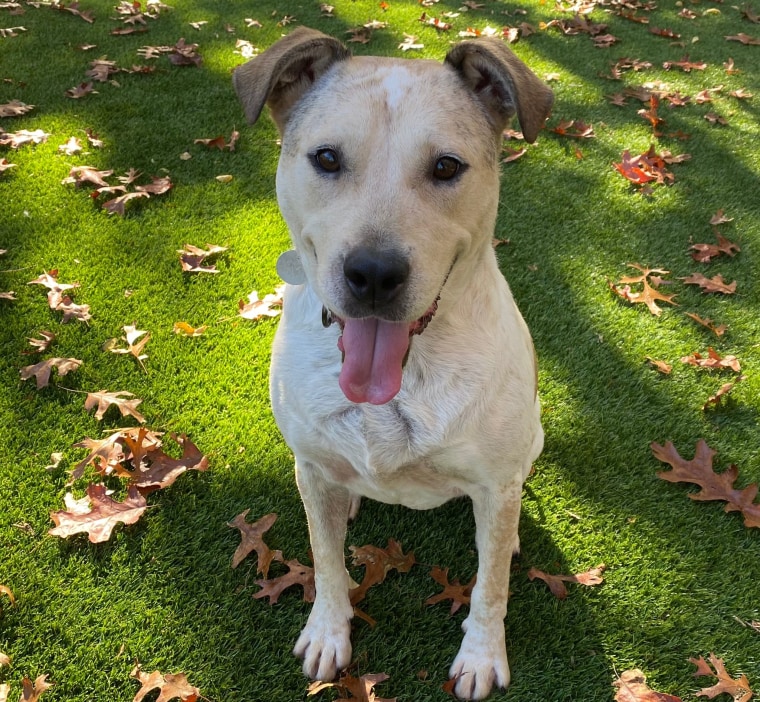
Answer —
374 353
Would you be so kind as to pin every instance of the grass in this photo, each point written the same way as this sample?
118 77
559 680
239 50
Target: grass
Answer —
679 573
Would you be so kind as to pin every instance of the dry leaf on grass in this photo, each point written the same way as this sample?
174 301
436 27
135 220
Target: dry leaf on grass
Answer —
648 295
298 574
631 687
454 591
378 562
134 347
184 329
252 540
103 400
715 486
713 361
41 371
255 308
717 329
704 253
591 577
97 514
33 690
170 686
716 284
739 689
361 688
721 393
192 258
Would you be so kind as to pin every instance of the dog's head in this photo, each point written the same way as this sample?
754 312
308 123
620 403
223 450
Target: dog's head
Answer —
388 179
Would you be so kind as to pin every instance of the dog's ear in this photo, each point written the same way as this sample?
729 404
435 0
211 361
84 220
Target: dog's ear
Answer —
284 72
503 84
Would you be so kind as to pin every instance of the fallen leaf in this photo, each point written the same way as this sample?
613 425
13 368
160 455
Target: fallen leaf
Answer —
22 137
156 470
685 65
192 258
5 165
704 253
87 174
632 687
715 486
718 330
184 329
591 577
298 574
255 309
103 400
80 91
454 591
15 108
103 515
648 294
713 361
41 371
134 347
744 39
409 43
721 393
117 205
361 688
716 284
738 689
71 147
252 539
575 129
33 690
661 366
378 563
171 686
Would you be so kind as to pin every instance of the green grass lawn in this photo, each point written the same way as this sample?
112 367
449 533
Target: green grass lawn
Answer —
680 573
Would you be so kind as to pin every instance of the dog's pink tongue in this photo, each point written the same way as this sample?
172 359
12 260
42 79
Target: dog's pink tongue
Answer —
374 353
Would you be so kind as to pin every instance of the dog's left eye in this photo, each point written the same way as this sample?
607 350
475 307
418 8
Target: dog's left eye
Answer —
446 168
327 160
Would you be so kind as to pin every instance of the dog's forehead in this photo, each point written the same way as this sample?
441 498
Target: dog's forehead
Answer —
372 92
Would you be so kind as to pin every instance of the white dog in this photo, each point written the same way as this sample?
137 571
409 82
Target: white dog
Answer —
402 369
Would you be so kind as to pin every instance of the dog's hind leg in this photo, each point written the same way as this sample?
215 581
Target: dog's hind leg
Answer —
482 658
325 643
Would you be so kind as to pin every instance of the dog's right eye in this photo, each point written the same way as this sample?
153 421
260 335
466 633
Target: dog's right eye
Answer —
327 160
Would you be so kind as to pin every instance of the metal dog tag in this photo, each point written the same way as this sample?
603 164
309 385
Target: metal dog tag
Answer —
290 268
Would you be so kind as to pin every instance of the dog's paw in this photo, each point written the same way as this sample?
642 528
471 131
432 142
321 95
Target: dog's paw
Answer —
325 646
480 664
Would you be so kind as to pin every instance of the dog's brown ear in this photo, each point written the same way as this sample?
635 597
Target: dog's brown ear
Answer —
503 83
283 73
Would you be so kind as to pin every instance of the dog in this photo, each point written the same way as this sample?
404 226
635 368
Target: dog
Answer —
402 369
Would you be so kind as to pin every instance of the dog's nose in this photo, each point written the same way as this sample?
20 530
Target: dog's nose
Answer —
373 276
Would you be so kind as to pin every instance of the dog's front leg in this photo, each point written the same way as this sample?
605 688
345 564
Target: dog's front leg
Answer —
325 642
482 657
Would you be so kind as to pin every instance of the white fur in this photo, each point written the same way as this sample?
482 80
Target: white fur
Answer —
466 421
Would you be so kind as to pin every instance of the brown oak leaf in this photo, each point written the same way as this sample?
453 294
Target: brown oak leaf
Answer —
31 691
454 591
591 577
41 371
22 137
103 400
715 486
40 345
717 329
713 361
722 392
14 108
631 687
255 308
252 540
153 469
378 562
192 258
118 204
704 253
361 688
715 284
298 574
171 686
102 515
648 294
739 689
79 175
134 347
